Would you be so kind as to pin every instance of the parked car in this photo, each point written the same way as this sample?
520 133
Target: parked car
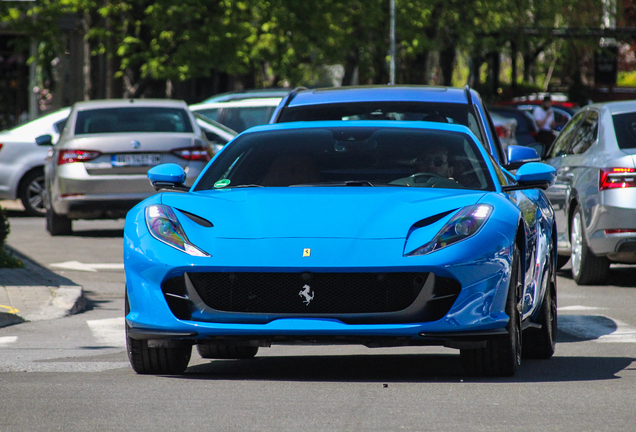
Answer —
248 94
410 103
330 233
97 170
559 100
241 114
527 129
506 129
561 116
218 135
594 196
22 161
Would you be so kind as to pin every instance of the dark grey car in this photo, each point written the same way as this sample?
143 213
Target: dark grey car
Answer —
594 197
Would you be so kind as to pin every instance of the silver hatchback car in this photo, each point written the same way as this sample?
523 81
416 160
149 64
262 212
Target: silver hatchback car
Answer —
97 170
594 197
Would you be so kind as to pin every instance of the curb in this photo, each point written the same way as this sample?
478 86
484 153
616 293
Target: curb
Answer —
34 293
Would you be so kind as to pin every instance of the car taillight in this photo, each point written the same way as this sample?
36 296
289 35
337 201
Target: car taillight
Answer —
617 178
192 153
70 156
502 132
0 146
620 231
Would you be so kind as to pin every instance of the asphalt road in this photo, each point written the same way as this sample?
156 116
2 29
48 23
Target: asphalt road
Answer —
73 374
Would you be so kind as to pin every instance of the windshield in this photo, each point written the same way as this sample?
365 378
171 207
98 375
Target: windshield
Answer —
132 119
350 156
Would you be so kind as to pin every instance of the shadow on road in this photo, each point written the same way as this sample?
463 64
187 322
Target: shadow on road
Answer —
624 277
398 368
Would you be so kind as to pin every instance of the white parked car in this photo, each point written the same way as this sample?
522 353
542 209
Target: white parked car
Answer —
239 115
22 160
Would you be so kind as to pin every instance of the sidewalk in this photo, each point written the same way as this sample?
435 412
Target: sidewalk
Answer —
34 293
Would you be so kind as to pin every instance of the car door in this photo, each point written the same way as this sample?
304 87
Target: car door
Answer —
576 182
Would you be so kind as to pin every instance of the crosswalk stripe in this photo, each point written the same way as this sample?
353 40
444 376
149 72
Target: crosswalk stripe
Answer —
6 340
109 332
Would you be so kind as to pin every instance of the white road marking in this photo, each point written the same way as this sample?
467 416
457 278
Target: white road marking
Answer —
109 332
76 265
578 308
598 328
6 340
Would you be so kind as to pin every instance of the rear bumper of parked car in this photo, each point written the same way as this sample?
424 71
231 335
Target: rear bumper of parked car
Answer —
610 224
80 195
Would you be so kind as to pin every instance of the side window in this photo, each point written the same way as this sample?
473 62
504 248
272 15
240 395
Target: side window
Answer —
59 126
587 133
566 139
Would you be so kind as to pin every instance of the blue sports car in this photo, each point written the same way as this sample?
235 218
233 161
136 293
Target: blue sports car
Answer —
378 233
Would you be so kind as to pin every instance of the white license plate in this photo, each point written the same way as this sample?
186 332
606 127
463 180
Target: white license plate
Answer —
136 160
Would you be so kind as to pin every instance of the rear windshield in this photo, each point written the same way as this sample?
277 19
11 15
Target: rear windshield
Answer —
625 127
132 119
350 156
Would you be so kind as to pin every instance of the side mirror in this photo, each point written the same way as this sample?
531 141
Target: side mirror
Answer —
519 155
44 140
533 175
168 176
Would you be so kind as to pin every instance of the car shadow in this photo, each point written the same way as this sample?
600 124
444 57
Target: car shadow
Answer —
400 368
622 277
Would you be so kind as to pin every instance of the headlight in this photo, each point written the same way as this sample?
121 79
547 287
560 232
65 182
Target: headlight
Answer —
466 223
165 227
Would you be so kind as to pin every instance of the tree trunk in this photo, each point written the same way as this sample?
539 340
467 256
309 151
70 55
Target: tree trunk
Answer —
447 64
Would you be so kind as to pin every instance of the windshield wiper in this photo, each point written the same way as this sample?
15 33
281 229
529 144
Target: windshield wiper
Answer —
243 186
344 183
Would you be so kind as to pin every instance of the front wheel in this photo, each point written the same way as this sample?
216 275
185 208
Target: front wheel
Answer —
156 361
587 268
502 354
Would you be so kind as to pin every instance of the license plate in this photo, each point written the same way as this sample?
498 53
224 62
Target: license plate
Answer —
136 160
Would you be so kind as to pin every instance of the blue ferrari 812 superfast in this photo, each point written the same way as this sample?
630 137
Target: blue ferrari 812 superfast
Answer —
378 233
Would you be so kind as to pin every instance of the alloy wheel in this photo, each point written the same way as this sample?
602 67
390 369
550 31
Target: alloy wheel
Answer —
576 240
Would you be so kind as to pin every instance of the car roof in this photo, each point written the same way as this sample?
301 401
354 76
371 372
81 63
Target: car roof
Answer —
363 124
378 94
255 102
119 103
248 94
617 107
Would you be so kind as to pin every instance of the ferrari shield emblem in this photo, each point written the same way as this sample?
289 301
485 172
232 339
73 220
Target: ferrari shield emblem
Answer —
306 252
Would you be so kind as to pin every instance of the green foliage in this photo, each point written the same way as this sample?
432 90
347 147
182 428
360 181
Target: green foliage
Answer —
7 260
288 42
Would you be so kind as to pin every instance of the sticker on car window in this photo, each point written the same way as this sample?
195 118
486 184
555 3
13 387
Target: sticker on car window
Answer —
222 183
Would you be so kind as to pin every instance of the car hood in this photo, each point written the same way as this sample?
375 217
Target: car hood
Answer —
314 212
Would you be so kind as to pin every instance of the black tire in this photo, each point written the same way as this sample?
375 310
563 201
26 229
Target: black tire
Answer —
210 351
587 268
58 225
562 260
502 354
157 361
541 343
31 193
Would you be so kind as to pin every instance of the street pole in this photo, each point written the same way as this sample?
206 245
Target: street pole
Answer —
392 68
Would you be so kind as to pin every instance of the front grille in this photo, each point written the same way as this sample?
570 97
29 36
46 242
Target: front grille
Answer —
308 293
354 298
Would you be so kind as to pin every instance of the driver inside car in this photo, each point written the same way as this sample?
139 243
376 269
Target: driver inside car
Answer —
434 169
